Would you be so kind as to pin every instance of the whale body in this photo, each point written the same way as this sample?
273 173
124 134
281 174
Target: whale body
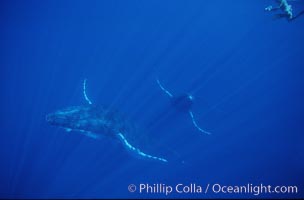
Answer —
97 122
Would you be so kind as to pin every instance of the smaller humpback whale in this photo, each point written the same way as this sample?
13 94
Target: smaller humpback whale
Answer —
286 8
97 122
182 103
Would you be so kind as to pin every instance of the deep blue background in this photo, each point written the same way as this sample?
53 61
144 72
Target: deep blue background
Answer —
244 68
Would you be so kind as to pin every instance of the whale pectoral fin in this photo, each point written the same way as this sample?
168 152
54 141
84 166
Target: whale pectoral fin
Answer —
195 124
85 93
136 151
163 89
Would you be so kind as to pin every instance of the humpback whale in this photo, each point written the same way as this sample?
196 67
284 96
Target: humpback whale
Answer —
97 122
182 103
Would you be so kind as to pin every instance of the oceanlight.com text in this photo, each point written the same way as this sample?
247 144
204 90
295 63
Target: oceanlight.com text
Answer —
254 189
216 188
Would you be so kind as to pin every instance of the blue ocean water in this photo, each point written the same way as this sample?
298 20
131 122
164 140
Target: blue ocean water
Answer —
243 66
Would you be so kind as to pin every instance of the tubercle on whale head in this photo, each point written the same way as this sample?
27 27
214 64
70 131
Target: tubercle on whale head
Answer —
54 119
65 116
84 119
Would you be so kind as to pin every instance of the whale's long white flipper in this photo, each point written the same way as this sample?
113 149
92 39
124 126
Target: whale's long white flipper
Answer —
137 151
195 124
84 92
163 89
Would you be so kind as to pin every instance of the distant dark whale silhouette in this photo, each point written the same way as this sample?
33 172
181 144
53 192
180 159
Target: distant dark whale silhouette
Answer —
182 103
96 122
